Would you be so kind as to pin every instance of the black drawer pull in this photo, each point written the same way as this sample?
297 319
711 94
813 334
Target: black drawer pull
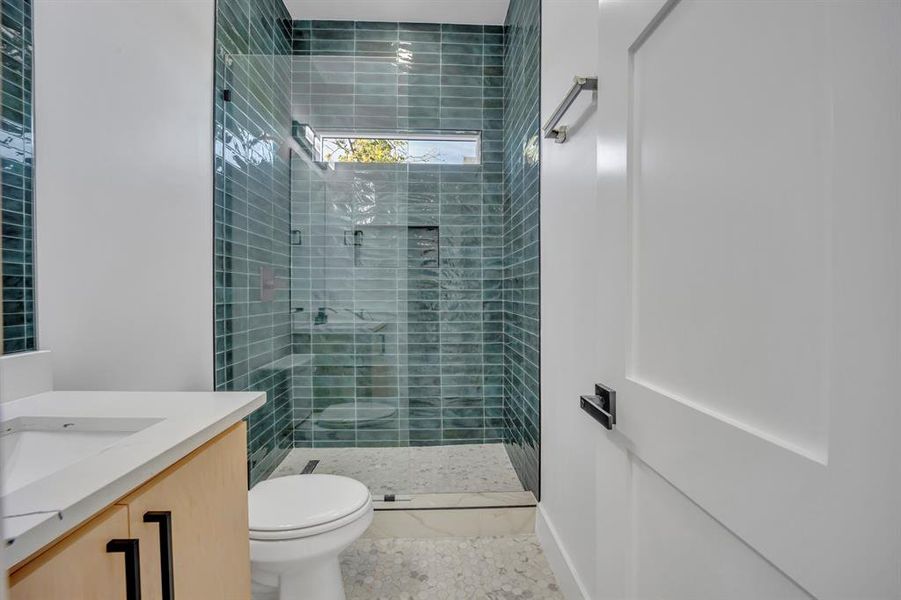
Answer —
164 518
129 548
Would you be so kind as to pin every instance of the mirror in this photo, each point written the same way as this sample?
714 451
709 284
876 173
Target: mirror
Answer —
17 333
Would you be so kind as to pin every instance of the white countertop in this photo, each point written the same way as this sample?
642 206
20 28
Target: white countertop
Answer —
81 490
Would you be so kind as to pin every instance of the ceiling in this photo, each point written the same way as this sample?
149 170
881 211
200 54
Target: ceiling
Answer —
478 12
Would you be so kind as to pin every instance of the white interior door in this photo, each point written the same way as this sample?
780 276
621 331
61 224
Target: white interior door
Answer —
750 247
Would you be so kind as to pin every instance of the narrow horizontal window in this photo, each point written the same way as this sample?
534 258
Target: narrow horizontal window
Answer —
433 148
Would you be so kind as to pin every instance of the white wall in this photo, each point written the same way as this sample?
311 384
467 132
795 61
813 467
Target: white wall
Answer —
123 112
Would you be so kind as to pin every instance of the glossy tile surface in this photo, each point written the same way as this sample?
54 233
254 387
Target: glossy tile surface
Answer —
396 288
17 324
522 128
413 470
252 218
378 305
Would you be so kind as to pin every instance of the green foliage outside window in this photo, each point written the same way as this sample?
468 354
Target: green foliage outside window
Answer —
367 150
373 150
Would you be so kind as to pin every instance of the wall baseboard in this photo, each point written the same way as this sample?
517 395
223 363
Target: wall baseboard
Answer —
567 578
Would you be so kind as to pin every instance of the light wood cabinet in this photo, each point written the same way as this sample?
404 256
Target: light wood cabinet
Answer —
204 498
78 566
206 495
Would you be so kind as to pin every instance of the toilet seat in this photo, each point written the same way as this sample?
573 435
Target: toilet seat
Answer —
298 506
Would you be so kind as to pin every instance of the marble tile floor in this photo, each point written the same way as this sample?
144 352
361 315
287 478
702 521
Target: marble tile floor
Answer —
466 468
468 568
493 568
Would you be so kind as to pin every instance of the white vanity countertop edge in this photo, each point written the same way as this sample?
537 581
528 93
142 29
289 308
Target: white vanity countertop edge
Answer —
81 490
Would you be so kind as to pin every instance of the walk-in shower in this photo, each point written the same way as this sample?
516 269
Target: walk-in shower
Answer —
377 246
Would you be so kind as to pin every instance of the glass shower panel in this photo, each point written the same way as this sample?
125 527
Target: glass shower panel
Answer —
388 308
391 384
348 316
252 246
366 298
397 300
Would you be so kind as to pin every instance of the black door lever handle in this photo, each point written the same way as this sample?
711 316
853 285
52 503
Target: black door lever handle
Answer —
601 406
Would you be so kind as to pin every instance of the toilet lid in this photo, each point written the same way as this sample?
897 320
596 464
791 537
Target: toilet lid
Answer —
301 501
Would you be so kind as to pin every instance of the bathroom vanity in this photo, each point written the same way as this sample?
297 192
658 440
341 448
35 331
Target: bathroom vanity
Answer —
127 495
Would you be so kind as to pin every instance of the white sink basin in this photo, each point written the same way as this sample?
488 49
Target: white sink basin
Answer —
32 448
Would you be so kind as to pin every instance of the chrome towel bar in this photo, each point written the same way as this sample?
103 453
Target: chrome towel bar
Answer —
579 83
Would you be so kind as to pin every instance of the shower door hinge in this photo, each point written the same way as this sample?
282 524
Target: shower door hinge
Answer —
227 95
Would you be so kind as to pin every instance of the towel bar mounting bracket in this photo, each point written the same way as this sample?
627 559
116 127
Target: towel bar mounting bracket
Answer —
553 129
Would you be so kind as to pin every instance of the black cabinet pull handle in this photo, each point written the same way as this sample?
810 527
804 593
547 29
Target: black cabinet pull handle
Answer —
129 547
164 518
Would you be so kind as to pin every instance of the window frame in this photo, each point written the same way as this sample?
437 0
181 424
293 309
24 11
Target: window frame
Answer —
317 139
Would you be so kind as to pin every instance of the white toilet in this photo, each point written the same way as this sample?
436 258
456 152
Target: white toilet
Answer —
298 526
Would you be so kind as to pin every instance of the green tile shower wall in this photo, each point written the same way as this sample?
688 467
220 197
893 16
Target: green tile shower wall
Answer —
521 240
415 356
432 335
16 175
252 219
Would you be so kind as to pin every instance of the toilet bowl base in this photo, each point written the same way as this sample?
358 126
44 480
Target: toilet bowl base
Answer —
302 564
319 580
